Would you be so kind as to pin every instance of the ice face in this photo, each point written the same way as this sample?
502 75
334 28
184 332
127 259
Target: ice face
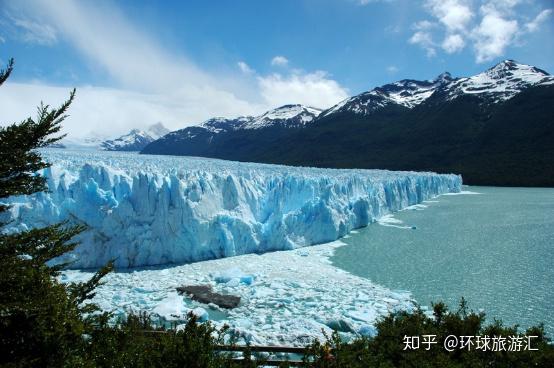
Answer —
153 210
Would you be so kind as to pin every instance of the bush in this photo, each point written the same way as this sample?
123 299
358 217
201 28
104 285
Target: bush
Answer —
387 348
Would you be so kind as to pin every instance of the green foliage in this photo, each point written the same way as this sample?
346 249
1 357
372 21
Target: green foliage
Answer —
19 160
42 322
134 342
387 348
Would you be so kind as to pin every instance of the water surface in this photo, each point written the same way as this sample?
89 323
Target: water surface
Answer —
495 249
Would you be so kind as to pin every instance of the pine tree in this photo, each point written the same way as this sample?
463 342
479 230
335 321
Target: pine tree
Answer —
42 321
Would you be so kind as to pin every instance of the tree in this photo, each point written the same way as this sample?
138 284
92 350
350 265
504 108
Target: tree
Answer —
42 322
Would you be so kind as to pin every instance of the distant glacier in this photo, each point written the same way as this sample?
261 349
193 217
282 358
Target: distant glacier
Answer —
157 210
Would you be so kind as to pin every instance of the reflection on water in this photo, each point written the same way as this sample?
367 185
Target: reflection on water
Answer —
495 249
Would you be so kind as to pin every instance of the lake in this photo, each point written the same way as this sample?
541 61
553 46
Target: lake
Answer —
494 248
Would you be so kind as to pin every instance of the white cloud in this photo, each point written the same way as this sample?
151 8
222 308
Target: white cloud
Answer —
425 40
149 83
279 61
366 2
490 26
493 35
313 89
104 111
423 25
453 43
393 29
391 69
534 25
245 68
32 31
453 14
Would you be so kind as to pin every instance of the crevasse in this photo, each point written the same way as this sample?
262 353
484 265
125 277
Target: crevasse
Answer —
154 210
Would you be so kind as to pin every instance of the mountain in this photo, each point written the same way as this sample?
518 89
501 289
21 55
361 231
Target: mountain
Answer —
229 138
494 128
136 139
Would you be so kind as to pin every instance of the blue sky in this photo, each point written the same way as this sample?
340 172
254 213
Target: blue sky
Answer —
181 62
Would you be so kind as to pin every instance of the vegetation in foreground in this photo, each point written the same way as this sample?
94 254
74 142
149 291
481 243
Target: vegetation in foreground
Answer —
44 323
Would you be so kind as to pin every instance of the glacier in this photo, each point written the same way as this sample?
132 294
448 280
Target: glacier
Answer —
160 210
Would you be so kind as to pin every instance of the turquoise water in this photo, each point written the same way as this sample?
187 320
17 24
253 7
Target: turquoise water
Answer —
495 249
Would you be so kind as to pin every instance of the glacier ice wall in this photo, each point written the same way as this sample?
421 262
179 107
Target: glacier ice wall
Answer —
151 210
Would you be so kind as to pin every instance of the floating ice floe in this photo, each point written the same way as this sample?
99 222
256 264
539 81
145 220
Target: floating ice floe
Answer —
295 296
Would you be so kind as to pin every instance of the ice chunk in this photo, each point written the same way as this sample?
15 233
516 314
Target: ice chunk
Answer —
172 308
201 314
234 276
368 330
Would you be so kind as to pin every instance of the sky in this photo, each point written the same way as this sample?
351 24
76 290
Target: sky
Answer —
135 63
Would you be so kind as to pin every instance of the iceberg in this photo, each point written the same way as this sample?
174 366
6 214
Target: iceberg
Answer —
159 210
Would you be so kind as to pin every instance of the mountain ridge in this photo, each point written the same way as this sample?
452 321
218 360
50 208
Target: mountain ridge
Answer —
446 125
136 139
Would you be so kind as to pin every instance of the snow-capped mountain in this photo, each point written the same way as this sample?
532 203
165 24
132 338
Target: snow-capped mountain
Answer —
287 116
199 139
136 139
495 128
407 93
499 83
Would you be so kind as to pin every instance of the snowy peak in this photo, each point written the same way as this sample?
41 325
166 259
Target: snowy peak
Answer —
443 78
220 124
406 92
136 139
157 130
501 82
510 69
409 92
289 112
287 116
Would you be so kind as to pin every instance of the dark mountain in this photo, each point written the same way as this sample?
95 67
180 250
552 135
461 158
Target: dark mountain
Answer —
235 139
494 128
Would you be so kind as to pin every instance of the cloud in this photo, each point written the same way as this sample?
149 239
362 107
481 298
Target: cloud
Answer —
423 25
453 43
391 69
148 83
493 35
425 40
102 111
245 68
279 61
490 26
393 29
453 14
32 31
315 89
366 2
534 25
